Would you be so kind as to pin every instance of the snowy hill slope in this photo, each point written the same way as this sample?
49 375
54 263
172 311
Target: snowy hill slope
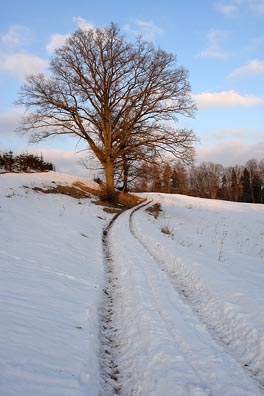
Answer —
214 252
185 290
50 285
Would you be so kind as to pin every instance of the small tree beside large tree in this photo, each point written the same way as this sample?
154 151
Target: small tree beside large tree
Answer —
117 96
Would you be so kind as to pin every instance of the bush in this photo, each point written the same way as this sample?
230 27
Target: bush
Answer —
24 163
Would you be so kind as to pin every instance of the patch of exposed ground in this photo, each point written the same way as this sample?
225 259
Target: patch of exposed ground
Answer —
154 210
80 190
66 190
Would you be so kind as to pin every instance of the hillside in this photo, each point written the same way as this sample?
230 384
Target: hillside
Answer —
51 281
171 302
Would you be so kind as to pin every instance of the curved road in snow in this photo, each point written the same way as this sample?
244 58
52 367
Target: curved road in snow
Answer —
161 347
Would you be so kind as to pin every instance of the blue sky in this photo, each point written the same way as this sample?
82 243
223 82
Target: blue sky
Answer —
221 43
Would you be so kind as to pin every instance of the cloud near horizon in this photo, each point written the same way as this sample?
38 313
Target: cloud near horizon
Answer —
231 152
226 99
65 161
9 119
236 133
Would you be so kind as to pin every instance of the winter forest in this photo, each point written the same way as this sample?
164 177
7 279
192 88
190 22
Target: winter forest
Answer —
208 180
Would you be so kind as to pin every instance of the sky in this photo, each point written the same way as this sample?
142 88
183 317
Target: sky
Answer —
221 43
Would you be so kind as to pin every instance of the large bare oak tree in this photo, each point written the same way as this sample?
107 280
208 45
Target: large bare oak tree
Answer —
115 95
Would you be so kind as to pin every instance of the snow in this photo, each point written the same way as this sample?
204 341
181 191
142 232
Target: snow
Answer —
51 279
214 255
188 306
173 350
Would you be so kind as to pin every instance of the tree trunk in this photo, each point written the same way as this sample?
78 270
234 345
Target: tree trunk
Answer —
125 176
110 182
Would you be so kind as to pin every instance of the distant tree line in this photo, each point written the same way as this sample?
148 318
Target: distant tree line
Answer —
208 180
24 163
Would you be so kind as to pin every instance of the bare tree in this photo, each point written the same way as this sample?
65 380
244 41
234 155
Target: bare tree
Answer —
153 153
129 165
113 94
210 175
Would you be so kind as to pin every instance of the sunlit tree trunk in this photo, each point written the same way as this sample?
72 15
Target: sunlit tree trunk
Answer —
110 179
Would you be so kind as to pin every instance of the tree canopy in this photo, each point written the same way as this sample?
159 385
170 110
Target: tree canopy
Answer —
119 97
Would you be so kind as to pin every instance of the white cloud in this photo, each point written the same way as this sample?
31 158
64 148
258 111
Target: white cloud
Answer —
252 68
9 120
146 29
256 6
56 40
14 58
64 161
226 9
215 40
231 146
82 23
226 99
22 64
16 36
238 133
237 7
9 139
231 152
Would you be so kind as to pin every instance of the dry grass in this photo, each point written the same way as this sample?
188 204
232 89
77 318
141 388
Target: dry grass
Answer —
165 230
87 189
154 210
76 190
80 190
112 210
128 200
108 206
66 190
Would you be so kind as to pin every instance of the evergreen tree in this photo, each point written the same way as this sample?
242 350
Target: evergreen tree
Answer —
245 182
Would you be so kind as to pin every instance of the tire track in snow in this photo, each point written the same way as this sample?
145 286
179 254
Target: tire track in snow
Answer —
108 332
200 388
180 288
150 336
150 360
109 328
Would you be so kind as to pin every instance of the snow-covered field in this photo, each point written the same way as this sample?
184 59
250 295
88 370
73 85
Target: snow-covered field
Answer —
187 304
214 251
50 286
194 317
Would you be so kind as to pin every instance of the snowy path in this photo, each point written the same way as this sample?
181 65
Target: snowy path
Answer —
162 346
